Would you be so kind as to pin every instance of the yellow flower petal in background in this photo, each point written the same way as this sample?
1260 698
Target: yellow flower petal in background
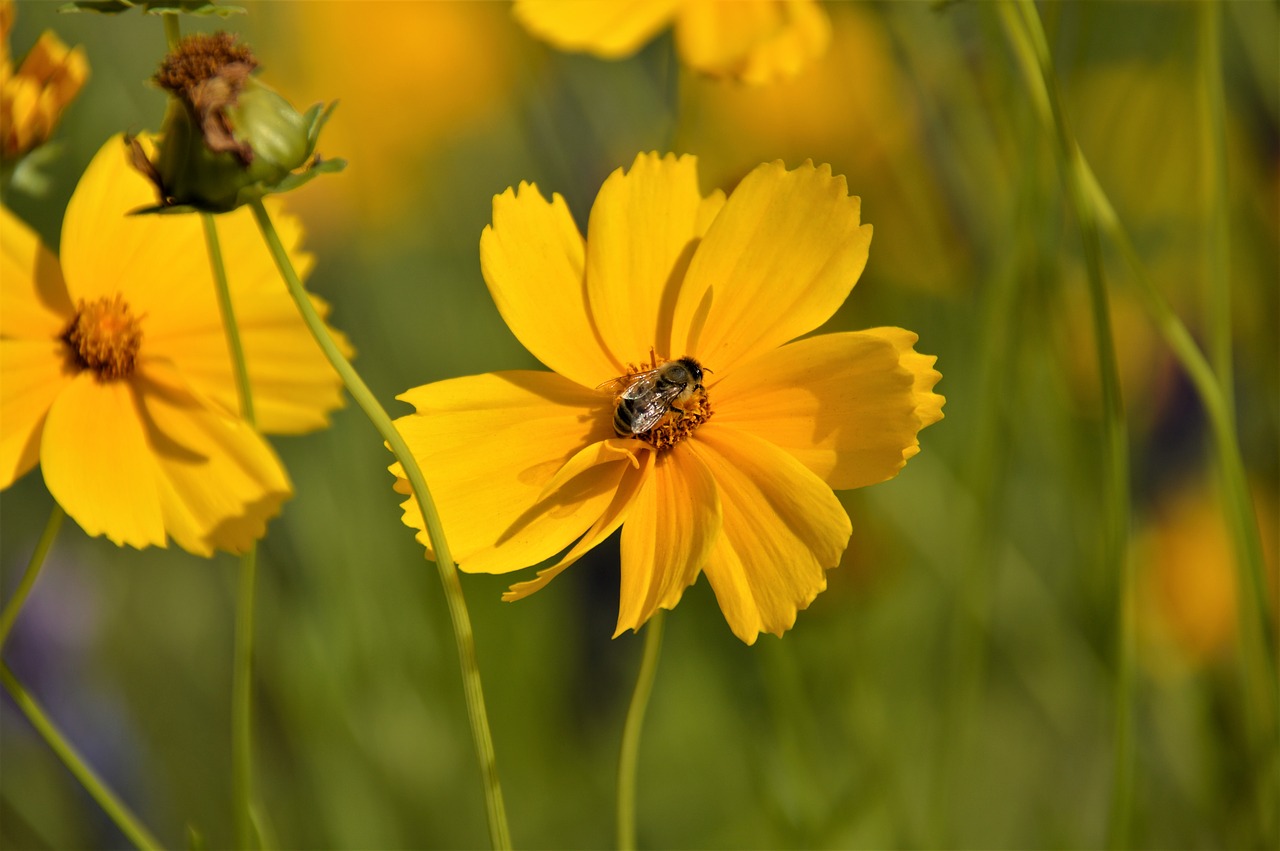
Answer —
31 285
489 445
533 257
847 406
755 41
33 98
634 274
162 262
610 30
669 533
777 262
783 528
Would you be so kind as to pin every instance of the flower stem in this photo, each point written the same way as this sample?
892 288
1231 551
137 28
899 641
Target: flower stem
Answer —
111 805
497 816
1026 34
630 753
172 30
242 655
19 598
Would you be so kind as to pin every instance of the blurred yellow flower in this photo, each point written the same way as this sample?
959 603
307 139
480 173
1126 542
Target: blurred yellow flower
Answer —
117 378
33 98
736 481
1188 577
755 41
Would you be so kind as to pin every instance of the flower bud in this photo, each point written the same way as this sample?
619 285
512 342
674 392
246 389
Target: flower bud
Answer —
227 138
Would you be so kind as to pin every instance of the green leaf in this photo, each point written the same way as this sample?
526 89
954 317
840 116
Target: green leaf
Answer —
199 8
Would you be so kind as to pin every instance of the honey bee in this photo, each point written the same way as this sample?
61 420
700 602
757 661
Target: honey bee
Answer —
645 397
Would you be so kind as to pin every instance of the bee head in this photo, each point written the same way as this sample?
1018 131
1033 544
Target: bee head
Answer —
695 370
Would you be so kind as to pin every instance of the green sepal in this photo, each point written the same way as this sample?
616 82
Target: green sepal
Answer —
198 8
252 192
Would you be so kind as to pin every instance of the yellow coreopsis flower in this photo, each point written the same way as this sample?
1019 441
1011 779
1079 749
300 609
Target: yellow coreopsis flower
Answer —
117 379
754 428
756 41
33 98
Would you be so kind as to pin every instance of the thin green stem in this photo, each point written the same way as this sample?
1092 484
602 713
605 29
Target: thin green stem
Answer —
111 805
1027 36
630 753
461 620
172 30
1214 153
242 659
19 598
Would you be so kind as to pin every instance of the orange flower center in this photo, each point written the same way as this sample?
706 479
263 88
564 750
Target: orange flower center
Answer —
679 423
105 337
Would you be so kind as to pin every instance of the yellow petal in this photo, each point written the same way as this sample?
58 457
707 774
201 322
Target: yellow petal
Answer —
32 374
756 41
848 406
776 263
142 459
532 257
33 297
610 30
615 514
160 264
488 445
668 536
644 226
783 527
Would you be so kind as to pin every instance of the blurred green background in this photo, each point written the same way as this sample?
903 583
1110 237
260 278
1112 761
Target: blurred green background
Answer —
953 687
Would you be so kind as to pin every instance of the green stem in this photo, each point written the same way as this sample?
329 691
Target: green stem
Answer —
172 30
1027 36
242 658
111 805
1213 150
19 598
497 816
630 754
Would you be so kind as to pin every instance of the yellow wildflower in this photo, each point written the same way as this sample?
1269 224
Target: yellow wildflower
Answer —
117 378
736 479
32 100
755 41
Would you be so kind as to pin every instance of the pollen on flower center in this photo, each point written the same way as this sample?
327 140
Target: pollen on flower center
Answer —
105 337
661 403
679 423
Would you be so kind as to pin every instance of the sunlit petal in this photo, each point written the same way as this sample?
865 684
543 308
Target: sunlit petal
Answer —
635 273
488 445
34 373
615 514
613 29
848 406
533 257
776 263
33 297
783 527
668 536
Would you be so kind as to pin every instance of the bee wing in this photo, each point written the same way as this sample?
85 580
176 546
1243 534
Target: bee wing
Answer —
631 386
648 410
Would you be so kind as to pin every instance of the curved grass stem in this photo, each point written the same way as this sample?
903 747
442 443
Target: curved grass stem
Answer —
629 756
111 805
19 598
499 833
1027 37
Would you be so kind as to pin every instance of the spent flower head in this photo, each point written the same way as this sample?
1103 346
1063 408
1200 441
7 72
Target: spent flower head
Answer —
117 379
681 407
227 138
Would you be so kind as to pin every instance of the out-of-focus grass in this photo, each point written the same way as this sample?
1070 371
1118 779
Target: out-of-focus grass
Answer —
867 725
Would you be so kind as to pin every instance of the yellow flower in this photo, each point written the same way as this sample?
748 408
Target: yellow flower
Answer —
117 378
755 41
736 481
32 100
